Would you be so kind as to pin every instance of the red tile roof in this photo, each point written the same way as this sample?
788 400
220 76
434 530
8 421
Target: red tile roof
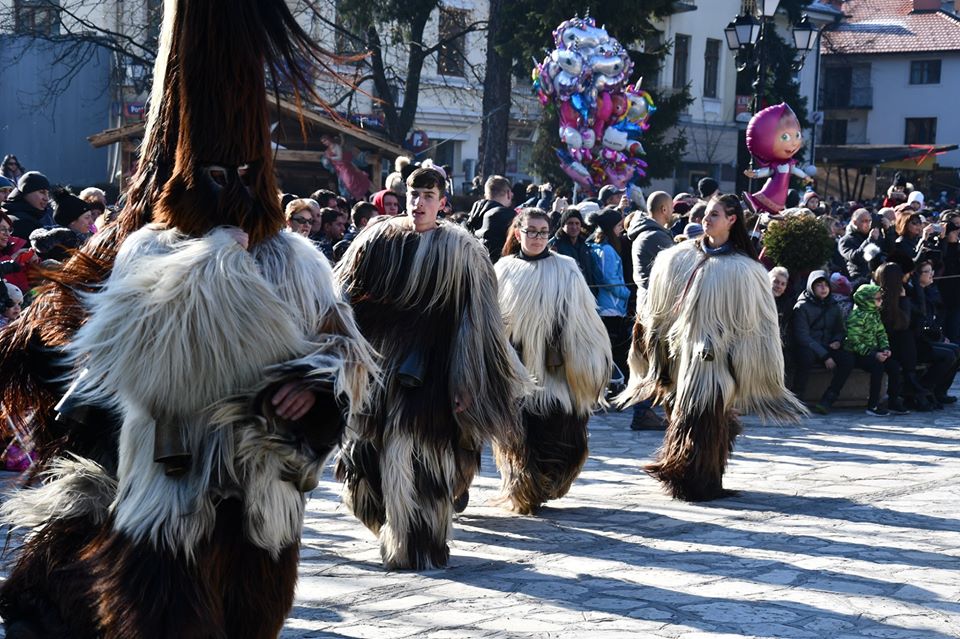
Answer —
891 26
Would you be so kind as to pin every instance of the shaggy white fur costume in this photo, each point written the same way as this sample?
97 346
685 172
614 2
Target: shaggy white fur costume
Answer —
430 298
193 332
548 307
708 349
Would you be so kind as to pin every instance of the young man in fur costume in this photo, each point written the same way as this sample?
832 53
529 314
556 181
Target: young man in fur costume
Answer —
707 346
425 295
553 323
221 345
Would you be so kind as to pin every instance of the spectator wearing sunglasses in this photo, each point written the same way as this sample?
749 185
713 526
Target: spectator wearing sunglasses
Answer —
12 169
300 214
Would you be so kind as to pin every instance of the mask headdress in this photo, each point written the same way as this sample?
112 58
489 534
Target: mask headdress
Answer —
206 157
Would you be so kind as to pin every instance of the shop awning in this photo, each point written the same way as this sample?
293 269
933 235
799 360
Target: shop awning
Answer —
918 157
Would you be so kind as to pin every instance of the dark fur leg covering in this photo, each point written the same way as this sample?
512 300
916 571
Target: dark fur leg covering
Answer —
48 593
232 590
692 459
554 452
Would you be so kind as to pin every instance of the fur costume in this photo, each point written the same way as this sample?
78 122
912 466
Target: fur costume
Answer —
552 322
706 346
178 510
428 303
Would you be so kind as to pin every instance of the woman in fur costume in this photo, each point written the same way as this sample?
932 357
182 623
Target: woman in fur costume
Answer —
552 322
220 345
706 346
425 295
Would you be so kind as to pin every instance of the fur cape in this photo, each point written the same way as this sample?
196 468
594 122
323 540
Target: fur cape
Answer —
546 303
428 303
706 345
552 322
708 332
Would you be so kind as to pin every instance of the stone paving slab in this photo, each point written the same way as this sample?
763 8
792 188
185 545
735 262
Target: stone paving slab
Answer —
844 527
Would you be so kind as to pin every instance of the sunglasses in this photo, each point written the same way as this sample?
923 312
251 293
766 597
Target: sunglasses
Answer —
302 220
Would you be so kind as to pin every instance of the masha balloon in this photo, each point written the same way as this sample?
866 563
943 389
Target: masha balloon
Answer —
773 138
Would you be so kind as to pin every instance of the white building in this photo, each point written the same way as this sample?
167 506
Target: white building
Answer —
888 89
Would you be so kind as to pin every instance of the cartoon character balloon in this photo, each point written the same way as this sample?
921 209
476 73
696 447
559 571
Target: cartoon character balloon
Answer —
773 138
601 117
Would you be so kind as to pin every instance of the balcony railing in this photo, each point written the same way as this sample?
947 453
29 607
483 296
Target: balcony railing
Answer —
856 98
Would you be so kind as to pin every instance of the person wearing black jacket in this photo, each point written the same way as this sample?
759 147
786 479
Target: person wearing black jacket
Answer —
855 241
28 205
490 218
569 241
818 333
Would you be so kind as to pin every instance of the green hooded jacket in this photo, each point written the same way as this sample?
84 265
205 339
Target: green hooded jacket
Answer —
865 332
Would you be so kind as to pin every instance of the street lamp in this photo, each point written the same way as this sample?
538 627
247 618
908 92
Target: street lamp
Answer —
746 36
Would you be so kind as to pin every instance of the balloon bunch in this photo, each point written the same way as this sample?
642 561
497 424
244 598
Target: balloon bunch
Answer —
601 116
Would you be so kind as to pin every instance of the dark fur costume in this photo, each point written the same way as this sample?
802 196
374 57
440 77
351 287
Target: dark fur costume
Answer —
189 336
552 321
707 347
427 302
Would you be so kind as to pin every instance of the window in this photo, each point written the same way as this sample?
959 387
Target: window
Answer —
837 82
834 132
925 72
651 49
450 58
681 60
36 17
920 131
711 67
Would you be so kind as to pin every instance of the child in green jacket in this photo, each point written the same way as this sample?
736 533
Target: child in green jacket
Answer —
867 340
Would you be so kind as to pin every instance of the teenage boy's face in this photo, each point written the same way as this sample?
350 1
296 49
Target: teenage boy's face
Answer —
423 204
821 289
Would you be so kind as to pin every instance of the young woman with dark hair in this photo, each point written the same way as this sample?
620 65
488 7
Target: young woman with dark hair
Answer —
611 291
706 347
552 322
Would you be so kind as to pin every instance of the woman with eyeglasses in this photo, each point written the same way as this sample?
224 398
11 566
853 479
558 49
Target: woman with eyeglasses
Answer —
552 322
12 169
707 347
300 214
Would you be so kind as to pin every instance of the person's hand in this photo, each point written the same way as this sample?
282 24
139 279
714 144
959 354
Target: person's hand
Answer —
546 187
750 173
835 346
953 237
882 356
293 401
624 203
874 234
829 363
560 204
239 236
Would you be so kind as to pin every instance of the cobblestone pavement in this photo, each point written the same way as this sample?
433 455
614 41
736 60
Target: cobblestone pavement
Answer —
845 526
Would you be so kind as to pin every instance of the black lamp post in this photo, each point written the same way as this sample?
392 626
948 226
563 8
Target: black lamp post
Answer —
746 37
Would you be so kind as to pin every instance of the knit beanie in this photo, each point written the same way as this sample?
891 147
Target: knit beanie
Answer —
840 284
569 212
706 187
7 183
67 207
32 181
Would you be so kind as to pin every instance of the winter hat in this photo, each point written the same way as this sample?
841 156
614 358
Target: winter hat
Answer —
681 203
693 230
840 284
67 207
570 211
605 220
706 187
7 183
915 196
32 181
586 208
14 293
51 243
808 196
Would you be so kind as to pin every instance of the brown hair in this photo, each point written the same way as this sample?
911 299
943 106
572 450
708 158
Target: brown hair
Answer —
889 276
512 245
427 178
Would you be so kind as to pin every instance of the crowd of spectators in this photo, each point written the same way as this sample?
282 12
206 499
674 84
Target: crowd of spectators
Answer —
887 301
